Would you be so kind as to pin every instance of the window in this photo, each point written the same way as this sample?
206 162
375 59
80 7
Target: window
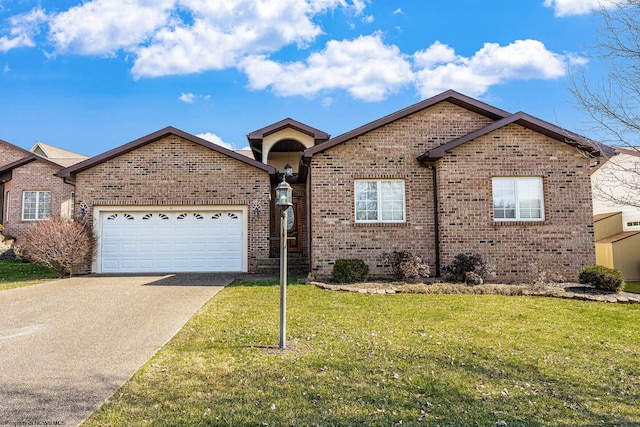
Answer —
379 200
36 205
517 199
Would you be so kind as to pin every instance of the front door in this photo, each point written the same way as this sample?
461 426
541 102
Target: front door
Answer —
294 225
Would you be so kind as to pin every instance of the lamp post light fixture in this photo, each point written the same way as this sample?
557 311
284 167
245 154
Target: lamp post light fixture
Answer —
283 200
288 170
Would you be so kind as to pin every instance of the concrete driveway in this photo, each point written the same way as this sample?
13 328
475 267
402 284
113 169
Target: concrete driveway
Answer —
67 345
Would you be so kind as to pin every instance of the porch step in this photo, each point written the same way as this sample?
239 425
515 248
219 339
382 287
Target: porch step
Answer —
295 266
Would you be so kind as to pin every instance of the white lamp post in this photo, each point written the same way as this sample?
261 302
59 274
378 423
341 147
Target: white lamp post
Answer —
283 199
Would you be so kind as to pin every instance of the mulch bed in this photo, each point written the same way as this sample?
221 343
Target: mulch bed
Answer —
556 290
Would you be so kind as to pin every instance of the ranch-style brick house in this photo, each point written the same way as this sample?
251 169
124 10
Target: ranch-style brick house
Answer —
445 176
29 189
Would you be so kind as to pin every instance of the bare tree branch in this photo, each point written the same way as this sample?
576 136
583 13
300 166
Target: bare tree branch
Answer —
613 103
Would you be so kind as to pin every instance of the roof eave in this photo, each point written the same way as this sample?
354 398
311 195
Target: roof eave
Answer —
451 96
152 137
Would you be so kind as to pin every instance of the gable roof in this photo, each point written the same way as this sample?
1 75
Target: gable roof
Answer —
155 136
259 134
525 120
631 151
15 147
255 138
5 171
63 157
451 96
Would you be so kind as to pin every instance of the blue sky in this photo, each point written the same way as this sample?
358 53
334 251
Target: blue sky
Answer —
91 75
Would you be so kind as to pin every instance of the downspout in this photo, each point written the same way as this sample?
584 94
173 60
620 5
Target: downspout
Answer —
307 163
436 220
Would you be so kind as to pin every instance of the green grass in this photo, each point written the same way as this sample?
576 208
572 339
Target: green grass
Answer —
424 360
15 274
632 287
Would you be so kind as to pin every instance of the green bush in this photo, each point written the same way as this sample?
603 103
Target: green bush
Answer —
604 278
350 270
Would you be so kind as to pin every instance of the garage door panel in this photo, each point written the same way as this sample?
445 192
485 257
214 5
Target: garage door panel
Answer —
164 230
147 231
128 232
146 248
128 264
171 242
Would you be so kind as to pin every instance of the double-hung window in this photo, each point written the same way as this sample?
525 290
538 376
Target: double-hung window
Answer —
36 205
379 200
518 199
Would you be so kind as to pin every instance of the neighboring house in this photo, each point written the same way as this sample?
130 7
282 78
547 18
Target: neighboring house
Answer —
616 248
616 187
29 189
445 176
616 208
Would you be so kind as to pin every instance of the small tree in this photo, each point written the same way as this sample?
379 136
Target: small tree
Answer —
59 244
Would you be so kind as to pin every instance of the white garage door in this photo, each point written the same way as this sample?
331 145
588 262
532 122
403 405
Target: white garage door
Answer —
170 241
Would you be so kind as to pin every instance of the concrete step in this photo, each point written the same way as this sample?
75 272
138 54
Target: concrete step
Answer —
297 266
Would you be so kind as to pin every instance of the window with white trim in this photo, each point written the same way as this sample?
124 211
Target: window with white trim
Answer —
36 205
518 199
380 200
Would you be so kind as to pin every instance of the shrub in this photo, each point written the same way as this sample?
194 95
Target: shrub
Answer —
350 270
406 266
470 269
59 244
604 278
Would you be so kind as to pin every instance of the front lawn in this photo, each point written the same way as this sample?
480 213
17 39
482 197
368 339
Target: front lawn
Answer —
14 274
354 359
632 287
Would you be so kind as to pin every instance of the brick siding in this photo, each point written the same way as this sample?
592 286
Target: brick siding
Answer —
562 243
34 176
9 154
386 153
174 171
564 239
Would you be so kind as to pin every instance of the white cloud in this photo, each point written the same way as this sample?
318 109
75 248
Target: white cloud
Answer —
365 67
23 28
368 19
188 97
212 137
6 68
224 32
102 27
577 7
168 37
435 54
398 11
441 69
327 101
